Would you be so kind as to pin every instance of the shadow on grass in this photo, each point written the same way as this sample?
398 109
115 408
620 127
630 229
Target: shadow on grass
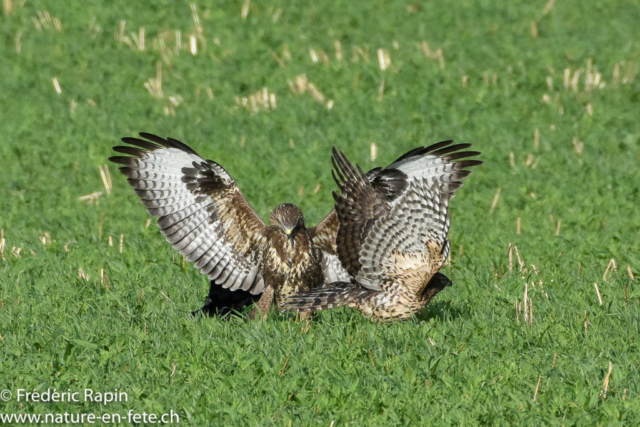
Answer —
441 311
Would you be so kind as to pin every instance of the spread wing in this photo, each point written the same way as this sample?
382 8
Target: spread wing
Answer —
411 238
202 212
357 206
438 163
431 173
324 234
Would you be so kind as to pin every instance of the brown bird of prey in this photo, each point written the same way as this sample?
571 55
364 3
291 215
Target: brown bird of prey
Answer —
392 235
205 216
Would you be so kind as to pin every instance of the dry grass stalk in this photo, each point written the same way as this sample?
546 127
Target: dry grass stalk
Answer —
384 59
630 71
518 310
140 299
535 394
373 151
598 293
166 296
525 302
359 52
56 85
610 267
154 85
520 262
338 48
284 367
259 100
286 53
494 203
104 280
147 223
548 7
193 45
300 191
121 243
578 146
18 41
278 60
45 238
534 29
550 83
518 225
631 276
510 257
536 138
110 241
605 383
529 161
105 175
373 362
246 5
319 55
317 188
16 252
198 29
317 95
276 15
381 91
589 108
575 81
586 322
435 55
555 358
139 40
3 243
558 226
512 159
593 78
45 21
615 76
567 78
83 275
92 198
7 6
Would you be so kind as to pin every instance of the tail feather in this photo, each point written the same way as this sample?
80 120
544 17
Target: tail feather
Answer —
340 294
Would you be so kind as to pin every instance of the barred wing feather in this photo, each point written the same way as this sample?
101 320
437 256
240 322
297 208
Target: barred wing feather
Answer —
201 210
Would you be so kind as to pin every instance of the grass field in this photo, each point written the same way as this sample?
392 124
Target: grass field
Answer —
91 297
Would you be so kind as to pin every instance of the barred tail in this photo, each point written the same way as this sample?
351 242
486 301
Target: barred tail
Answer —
339 294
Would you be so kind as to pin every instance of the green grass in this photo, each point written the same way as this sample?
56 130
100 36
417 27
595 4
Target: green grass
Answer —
469 359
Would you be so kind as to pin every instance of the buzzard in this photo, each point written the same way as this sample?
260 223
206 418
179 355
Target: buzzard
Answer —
205 216
392 235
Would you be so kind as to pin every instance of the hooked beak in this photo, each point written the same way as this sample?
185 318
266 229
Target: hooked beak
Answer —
288 232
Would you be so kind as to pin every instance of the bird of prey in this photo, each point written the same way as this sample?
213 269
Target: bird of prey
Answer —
392 235
205 216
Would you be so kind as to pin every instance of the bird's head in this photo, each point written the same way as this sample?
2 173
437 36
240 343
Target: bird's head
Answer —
288 219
